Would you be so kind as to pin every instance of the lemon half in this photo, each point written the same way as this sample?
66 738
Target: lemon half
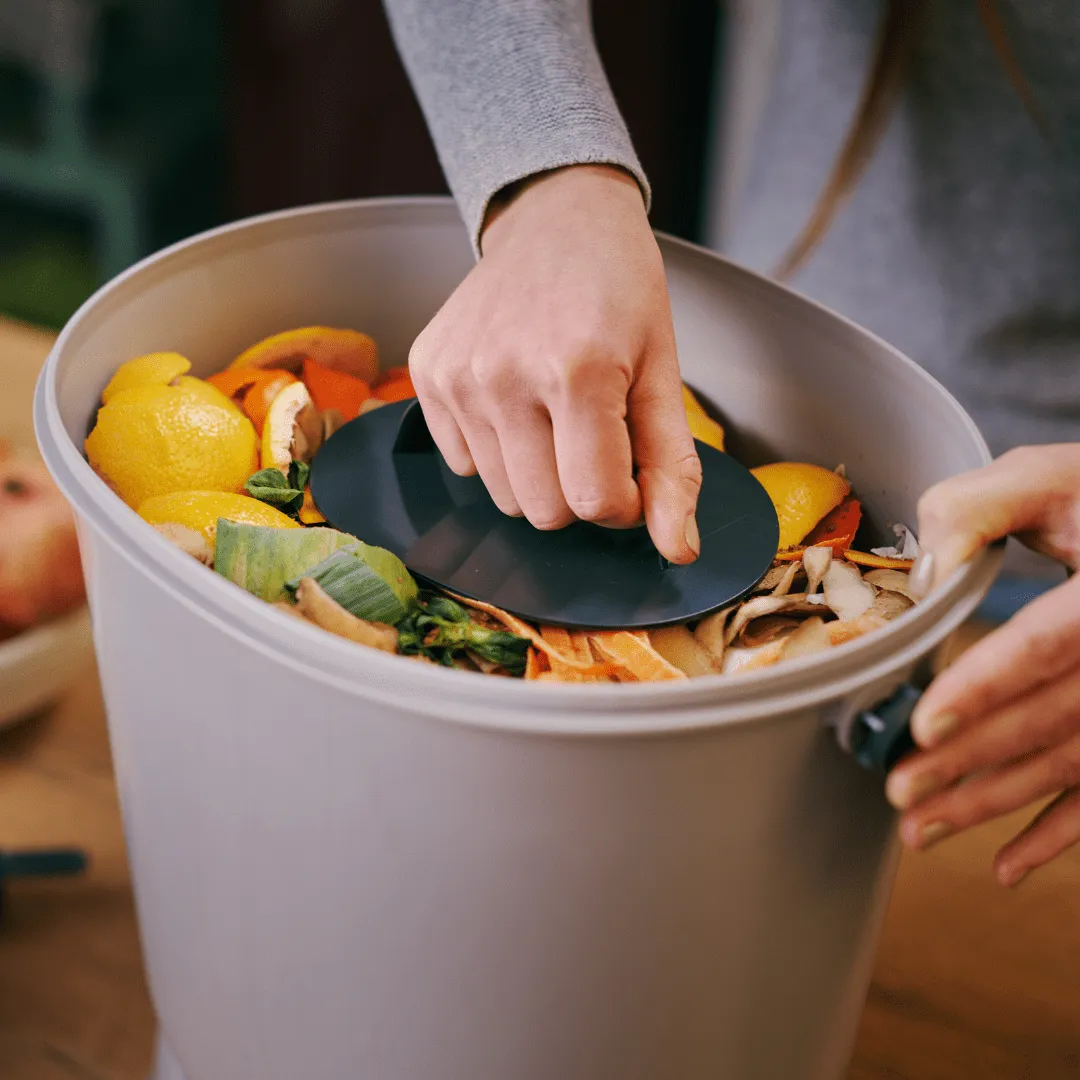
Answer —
156 439
200 511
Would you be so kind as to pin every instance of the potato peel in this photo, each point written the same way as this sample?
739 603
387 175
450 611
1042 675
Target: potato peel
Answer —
679 647
710 633
315 604
759 606
783 586
845 591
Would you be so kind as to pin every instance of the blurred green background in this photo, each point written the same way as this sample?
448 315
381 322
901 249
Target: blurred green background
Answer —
112 141
126 125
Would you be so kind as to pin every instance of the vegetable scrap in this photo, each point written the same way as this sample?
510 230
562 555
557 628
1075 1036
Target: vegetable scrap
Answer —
220 467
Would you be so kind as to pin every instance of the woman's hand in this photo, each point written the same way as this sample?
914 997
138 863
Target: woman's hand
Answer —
552 371
1000 729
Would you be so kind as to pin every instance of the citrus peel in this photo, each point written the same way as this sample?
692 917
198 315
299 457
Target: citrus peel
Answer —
880 562
200 511
341 350
803 494
292 430
637 660
335 390
153 369
702 426
156 439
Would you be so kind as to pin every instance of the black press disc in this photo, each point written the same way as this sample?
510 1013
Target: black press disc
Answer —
382 479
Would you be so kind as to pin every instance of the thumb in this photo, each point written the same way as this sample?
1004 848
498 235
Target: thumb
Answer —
668 467
1030 493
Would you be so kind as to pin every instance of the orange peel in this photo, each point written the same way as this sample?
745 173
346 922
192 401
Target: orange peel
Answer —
879 562
803 494
348 351
638 661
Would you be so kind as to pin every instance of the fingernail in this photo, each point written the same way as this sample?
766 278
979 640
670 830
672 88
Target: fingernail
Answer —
904 793
1011 878
921 576
693 537
935 728
932 833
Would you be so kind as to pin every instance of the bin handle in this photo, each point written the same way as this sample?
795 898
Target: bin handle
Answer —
879 735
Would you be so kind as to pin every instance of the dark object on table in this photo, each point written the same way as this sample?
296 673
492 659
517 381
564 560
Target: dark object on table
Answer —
49 862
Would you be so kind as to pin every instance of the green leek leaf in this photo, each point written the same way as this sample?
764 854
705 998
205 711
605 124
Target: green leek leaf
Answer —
262 559
371 582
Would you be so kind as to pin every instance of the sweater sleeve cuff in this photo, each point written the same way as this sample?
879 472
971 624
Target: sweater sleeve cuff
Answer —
509 88
475 211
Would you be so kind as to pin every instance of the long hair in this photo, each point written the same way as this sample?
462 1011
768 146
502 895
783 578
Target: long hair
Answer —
898 38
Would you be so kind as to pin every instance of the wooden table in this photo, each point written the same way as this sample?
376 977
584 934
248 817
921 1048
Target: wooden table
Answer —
971 983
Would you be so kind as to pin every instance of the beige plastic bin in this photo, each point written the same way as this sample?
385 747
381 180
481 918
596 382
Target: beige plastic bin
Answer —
352 867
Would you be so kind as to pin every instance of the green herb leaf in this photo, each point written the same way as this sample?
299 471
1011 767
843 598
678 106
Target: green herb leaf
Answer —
299 474
273 487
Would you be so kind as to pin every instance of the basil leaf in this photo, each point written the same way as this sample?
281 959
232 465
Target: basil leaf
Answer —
272 487
299 474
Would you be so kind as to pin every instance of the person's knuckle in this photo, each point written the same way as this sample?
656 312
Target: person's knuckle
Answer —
1039 649
587 364
421 368
1023 458
981 803
497 374
1066 766
438 381
549 516
936 505
596 504
688 471
507 504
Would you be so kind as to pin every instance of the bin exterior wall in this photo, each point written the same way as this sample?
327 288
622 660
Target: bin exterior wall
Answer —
330 889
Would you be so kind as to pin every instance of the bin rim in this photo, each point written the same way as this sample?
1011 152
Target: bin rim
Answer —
513 705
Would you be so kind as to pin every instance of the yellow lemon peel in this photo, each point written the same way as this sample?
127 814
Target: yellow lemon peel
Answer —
182 436
279 428
153 369
201 510
702 426
802 494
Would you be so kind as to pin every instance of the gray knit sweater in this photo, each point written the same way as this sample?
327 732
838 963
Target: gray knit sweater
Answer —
961 245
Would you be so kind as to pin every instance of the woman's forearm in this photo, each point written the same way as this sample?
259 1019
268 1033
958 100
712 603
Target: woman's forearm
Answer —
510 88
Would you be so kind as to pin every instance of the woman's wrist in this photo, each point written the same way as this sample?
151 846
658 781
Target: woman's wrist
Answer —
571 181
